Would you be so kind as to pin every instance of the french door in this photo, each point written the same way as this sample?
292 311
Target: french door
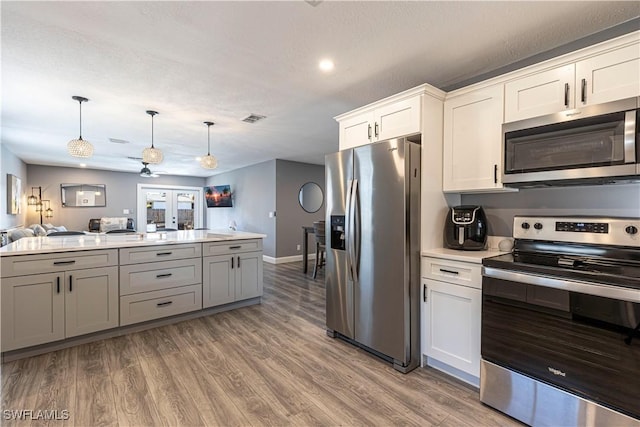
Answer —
169 207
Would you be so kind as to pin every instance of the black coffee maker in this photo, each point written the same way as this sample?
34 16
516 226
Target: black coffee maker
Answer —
465 228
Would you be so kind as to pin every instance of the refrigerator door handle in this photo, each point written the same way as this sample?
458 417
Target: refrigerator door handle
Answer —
349 230
355 233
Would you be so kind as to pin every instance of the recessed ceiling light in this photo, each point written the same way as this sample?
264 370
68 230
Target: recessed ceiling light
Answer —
326 65
83 165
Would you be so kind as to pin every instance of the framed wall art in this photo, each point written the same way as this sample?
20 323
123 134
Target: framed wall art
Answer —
14 192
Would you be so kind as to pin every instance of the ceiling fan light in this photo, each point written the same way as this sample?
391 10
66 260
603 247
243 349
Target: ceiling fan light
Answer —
209 162
152 155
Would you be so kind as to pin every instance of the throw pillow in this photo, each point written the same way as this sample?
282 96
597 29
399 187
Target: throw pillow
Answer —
38 230
20 233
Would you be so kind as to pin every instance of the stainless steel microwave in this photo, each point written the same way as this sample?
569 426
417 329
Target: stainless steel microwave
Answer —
594 144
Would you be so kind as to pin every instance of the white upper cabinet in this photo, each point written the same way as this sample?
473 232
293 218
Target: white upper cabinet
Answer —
608 76
356 131
393 117
473 140
539 94
397 119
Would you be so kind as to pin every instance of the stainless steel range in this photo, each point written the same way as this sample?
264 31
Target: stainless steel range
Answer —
561 323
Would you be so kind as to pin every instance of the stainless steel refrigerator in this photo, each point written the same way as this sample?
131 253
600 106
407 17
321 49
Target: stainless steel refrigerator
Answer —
373 249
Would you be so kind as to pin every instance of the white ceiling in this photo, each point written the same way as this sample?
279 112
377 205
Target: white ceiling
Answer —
221 61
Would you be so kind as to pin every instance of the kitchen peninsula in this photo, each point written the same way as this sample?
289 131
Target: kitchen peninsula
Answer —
59 291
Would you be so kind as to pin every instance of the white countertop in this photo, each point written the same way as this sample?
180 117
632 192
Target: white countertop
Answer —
91 241
465 256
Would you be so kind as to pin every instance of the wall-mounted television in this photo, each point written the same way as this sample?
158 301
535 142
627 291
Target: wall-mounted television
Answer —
218 196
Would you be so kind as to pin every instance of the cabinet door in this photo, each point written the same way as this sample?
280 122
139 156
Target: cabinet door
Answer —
248 275
543 93
32 310
397 119
356 131
218 280
91 300
473 140
453 325
608 77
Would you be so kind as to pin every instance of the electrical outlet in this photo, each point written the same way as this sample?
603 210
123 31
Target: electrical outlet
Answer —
126 211
298 247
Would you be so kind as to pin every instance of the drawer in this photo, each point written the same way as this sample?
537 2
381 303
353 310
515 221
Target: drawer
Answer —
230 247
20 265
158 304
153 276
159 253
459 273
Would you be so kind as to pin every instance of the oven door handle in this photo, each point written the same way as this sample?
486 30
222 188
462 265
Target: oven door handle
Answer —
598 289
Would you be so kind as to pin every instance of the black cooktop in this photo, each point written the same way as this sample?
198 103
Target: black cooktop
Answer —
616 266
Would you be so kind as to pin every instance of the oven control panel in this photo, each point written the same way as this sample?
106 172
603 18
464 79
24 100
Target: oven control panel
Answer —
593 230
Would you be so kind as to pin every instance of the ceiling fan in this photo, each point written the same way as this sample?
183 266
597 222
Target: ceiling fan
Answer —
145 172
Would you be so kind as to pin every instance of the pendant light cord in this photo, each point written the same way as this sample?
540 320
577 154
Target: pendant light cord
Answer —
80 102
152 131
208 140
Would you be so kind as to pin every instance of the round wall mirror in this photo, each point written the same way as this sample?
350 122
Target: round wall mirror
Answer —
310 197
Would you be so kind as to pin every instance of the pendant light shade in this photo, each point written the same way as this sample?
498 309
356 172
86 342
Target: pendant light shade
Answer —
208 161
79 147
152 155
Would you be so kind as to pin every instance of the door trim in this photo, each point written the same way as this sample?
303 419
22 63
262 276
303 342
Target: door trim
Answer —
141 217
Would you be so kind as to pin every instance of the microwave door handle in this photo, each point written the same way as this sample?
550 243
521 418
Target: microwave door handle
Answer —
630 137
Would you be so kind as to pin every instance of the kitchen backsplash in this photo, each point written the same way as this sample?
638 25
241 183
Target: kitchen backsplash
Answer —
621 200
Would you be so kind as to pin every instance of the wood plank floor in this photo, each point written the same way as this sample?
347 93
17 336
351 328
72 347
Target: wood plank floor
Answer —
270 364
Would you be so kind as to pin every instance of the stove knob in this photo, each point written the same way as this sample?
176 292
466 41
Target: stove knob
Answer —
537 226
631 230
525 225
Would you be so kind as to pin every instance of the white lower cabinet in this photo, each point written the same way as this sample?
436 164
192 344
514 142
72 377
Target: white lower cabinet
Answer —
41 308
231 277
451 323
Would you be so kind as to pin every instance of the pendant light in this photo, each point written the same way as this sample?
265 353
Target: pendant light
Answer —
152 155
208 161
79 147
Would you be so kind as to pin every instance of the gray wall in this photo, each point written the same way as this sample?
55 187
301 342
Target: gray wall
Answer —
604 200
254 196
290 218
121 188
13 165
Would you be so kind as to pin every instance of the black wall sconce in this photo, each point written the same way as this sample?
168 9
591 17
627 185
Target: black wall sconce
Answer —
40 204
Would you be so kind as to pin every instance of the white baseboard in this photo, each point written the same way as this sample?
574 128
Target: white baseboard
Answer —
286 259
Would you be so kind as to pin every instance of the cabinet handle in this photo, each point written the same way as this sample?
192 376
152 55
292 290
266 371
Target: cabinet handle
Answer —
376 132
64 262
495 174
70 283
164 304
238 261
566 95
583 91
424 293
163 253
235 247
369 130
160 276
58 284
449 271
233 260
